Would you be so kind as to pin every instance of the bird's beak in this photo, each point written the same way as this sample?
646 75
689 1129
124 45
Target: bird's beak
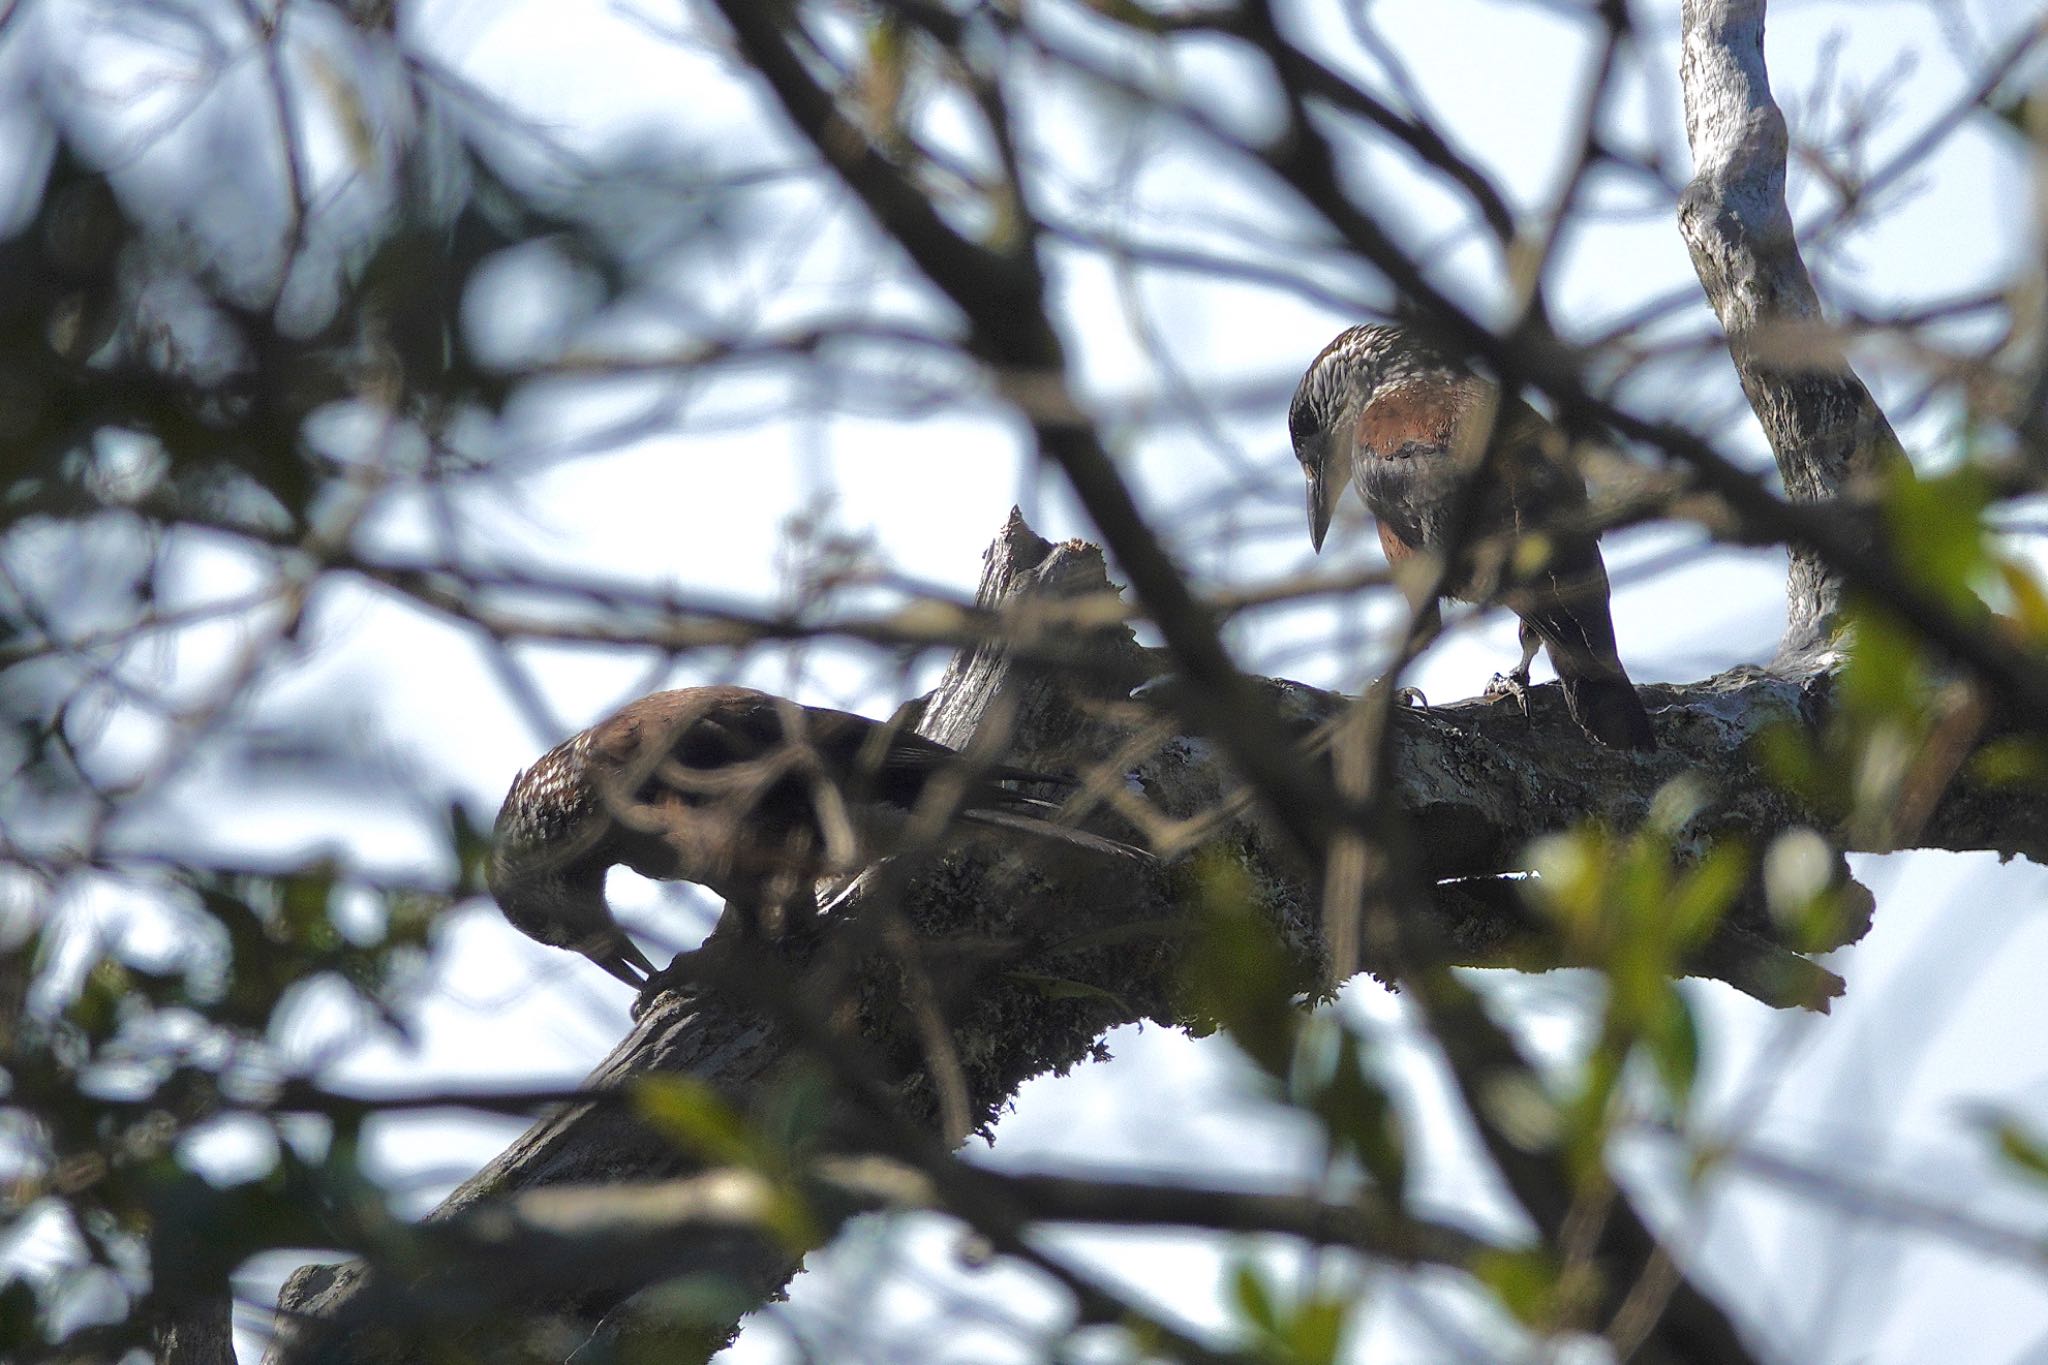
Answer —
1319 503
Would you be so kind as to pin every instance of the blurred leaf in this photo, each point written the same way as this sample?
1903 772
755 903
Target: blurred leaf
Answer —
1673 1040
1318 1330
2022 1150
2016 761
2028 599
1569 876
305 909
96 1011
699 1119
885 78
1236 971
1883 671
1799 867
1938 531
1308 1333
1525 1282
2020 110
1706 891
471 847
1128 13
1587 1115
1795 760
1253 1298
1358 1115
796 1114
409 917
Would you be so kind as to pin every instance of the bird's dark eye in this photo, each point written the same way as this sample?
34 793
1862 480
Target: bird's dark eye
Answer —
1302 425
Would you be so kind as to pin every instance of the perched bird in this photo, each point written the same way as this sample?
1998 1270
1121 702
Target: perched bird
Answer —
1383 409
751 795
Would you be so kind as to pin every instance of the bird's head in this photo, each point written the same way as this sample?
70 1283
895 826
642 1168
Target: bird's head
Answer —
541 871
1354 369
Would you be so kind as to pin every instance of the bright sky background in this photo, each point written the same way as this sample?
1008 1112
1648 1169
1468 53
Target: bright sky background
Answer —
1944 1010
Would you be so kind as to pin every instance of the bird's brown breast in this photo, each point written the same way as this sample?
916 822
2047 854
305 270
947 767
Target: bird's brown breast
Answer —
1421 413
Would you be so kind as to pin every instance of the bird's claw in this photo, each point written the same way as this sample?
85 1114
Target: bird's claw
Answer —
686 975
1515 685
651 990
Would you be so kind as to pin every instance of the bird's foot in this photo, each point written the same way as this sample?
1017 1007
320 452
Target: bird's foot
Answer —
1412 697
688 974
1515 685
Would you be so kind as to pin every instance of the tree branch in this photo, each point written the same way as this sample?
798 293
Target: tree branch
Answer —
1824 428
1476 780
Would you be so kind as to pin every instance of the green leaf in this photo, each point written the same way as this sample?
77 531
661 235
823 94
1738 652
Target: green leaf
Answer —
2014 111
1128 13
2027 600
1360 1118
96 1012
2022 1150
471 847
1707 890
305 910
1883 670
1317 1330
1254 1299
1586 1116
885 78
795 1115
698 1119
2015 761
1673 1040
1525 1282
1793 759
1937 529
1235 969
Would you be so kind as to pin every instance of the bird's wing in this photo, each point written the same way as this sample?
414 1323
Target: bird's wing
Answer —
784 767
882 759
1543 481
1566 601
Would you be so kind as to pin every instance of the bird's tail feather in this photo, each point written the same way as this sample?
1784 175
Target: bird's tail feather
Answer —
1041 828
1609 710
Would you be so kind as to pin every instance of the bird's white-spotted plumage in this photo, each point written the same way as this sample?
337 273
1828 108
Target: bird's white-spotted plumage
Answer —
753 796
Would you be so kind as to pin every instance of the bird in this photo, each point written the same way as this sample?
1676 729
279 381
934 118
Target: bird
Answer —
749 794
1406 423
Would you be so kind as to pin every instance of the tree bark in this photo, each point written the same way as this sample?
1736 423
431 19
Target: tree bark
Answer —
1824 428
202 1333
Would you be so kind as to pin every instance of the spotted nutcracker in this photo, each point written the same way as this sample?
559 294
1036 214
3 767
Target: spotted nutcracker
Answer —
751 795
1383 409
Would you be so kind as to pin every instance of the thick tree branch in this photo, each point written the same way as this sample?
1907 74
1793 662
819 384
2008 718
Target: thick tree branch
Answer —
1827 433
1476 779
